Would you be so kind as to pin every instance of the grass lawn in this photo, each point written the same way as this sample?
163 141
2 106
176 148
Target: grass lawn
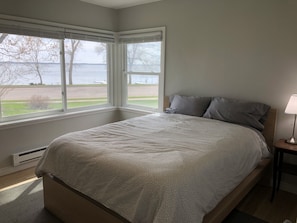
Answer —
12 108
152 103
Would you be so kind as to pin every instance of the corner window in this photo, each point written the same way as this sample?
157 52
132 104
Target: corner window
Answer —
143 69
51 69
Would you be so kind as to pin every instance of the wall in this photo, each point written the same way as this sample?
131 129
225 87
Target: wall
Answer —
72 12
17 138
234 48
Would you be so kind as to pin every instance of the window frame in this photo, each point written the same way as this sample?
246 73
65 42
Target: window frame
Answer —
133 37
38 28
109 63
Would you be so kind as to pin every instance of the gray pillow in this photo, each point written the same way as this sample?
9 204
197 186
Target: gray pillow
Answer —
188 105
252 114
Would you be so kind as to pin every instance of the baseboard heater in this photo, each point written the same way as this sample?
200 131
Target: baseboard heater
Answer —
27 156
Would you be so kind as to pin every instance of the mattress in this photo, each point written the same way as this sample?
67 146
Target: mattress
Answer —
159 168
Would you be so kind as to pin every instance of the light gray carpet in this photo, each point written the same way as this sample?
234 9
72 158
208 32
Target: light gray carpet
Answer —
24 204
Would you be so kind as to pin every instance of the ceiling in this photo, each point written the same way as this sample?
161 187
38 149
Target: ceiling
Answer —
118 4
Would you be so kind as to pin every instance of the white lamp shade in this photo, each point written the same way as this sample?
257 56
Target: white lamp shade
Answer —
292 105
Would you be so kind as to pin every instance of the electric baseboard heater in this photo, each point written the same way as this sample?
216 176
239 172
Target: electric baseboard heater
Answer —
27 156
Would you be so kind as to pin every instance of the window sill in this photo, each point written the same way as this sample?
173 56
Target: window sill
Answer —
54 117
137 110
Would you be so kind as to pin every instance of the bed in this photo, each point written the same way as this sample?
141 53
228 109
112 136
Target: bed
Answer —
164 167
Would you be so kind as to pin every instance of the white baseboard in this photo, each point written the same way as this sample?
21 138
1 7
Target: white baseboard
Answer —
12 169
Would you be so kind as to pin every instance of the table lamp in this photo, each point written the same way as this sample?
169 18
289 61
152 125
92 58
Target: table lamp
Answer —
292 109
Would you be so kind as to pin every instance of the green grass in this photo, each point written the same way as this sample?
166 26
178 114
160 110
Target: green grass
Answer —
15 108
152 103
12 108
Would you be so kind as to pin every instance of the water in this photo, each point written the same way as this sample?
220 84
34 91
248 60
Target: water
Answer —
51 74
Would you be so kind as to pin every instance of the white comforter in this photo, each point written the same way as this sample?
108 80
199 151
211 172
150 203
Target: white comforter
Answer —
158 168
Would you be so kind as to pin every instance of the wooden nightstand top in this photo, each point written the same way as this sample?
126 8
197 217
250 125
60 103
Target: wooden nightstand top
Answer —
281 144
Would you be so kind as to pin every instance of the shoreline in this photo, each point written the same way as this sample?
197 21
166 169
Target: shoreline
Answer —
55 92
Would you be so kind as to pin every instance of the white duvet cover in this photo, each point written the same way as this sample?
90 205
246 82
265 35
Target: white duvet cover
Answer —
160 168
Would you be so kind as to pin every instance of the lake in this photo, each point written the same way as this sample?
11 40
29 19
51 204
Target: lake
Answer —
82 74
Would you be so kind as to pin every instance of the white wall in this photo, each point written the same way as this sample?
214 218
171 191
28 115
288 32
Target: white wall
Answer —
236 48
72 12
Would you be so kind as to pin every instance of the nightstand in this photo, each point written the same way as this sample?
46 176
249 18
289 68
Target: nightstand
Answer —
279 167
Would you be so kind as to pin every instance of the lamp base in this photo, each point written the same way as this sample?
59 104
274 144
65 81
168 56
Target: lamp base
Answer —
291 140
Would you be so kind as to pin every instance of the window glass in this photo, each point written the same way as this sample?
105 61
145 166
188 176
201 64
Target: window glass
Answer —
30 75
144 57
143 90
143 64
86 73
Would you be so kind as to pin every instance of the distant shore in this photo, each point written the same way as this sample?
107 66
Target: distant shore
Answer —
54 92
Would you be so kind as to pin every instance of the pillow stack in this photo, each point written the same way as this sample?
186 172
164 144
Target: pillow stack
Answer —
251 114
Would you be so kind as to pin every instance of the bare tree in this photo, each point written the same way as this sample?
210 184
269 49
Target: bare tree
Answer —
11 47
70 50
8 74
39 50
100 48
141 54
132 54
29 51
35 45
6 77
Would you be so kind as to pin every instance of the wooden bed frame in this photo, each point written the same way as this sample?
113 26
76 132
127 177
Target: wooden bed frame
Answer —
74 207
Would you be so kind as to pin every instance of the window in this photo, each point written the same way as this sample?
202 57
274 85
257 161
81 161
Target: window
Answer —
50 69
47 71
86 73
143 68
30 80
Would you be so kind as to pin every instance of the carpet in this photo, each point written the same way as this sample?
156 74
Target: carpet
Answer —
24 204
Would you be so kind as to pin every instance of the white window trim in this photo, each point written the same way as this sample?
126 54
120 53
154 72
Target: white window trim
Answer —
121 77
53 26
